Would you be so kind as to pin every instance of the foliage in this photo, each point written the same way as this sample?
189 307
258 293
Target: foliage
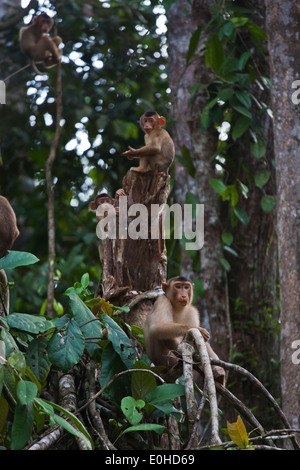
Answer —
32 344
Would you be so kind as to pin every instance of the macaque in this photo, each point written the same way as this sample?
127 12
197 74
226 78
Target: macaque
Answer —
171 317
37 45
8 226
159 151
107 202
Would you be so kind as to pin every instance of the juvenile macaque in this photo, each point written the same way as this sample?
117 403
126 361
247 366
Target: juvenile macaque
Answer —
37 45
8 226
171 317
159 151
107 202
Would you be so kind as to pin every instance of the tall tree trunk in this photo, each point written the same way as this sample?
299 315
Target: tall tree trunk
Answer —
182 22
283 20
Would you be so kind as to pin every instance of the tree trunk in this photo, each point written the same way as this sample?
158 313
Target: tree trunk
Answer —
132 266
201 146
283 20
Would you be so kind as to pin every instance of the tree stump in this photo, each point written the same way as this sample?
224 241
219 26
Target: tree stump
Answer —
134 266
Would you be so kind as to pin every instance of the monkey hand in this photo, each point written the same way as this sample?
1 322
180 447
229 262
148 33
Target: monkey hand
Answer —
204 333
120 192
130 153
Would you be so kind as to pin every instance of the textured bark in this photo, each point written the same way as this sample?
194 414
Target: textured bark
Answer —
201 146
283 19
131 266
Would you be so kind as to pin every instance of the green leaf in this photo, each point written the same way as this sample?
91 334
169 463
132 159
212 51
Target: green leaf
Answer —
258 148
130 408
244 98
193 44
83 316
15 259
85 279
239 21
31 323
241 215
142 382
22 426
37 358
225 94
215 53
144 427
218 185
225 264
243 111
186 160
243 60
120 341
240 127
261 178
267 203
227 237
77 429
26 392
165 392
66 346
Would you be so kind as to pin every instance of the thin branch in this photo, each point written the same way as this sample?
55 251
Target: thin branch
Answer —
50 192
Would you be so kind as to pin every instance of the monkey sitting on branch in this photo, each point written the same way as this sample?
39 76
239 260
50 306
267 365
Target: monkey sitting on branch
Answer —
159 151
37 45
169 320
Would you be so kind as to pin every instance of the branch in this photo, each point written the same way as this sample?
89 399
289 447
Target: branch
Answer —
187 350
194 335
50 191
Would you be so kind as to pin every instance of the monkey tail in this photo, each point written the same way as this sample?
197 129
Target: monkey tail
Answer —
36 69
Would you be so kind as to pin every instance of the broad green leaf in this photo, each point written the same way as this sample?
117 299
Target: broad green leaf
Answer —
37 358
17 361
186 160
261 178
225 94
256 31
130 408
193 44
112 364
215 53
83 316
66 346
165 392
26 392
238 433
22 426
267 203
243 98
239 21
258 148
120 341
15 259
240 127
142 382
243 60
31 323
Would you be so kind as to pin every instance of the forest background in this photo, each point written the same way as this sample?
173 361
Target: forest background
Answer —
225 75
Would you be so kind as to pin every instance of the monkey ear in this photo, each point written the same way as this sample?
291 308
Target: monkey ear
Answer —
162 120
164 286
92 205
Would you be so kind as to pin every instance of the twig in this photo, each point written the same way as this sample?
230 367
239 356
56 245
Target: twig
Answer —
260 386
50 192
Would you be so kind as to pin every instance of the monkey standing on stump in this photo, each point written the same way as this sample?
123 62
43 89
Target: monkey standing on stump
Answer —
159 151
171 317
